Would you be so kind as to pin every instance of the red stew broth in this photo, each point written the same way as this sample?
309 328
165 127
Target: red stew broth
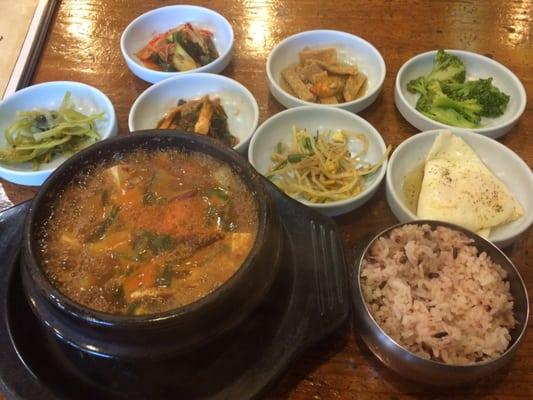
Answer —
151 232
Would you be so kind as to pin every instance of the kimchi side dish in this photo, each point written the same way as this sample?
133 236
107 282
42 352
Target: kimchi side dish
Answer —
179 49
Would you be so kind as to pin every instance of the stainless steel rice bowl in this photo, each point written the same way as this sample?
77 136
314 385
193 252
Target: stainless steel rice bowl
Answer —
414 367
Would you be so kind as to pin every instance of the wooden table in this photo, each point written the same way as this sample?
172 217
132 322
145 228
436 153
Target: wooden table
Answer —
83 45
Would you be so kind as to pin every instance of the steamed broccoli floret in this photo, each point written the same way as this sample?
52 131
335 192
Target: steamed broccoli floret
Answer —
449 116
438 106
447 67
470 109
418 85
492 100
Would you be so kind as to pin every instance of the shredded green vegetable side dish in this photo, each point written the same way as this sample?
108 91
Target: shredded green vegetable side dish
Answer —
40 135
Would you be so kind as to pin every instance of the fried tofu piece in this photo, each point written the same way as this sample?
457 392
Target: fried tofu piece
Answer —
285 86
329 100
310 68
297 85
329 86
328 55
353 86
319 77
339 69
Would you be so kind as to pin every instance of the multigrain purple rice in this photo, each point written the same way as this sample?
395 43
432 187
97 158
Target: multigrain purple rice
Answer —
433 293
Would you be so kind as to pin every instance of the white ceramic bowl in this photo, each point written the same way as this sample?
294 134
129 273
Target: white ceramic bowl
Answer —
239 104
142 29
350 48
279 128
502 161
49 95
477 66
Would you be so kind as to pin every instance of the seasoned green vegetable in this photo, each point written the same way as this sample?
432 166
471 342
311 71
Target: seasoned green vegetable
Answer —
102 229
447 98
156 59
218 192
38 136
296 157
154 242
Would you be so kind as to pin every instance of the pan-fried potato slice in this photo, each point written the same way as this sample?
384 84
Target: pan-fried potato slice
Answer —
353 86
297 85
328 55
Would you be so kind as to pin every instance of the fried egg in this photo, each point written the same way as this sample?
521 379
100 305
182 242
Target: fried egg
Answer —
458 188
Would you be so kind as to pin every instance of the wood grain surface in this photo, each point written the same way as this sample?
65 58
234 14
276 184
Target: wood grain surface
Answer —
83 45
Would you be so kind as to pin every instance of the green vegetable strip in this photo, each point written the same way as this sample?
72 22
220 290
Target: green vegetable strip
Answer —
100 232
28 156
305 144
296 158
38 136
45 145
218 192
65 128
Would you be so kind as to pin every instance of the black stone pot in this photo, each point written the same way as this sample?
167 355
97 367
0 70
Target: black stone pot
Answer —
132 345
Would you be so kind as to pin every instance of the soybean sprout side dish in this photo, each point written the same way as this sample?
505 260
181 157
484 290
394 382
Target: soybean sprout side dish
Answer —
321 168
40 135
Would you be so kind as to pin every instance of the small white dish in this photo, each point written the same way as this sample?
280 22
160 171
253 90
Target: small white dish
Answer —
350 48
503 162
279 128
239 104
49 95
142 29
477 66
